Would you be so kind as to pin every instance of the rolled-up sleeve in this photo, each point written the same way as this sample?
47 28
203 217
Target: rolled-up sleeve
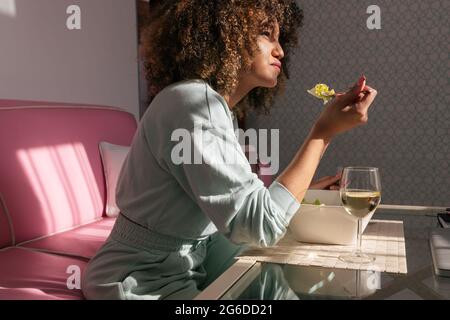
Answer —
264 216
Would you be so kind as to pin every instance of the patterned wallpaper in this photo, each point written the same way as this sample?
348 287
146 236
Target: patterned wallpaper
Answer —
407 61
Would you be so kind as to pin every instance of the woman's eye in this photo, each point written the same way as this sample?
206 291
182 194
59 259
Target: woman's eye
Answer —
266 33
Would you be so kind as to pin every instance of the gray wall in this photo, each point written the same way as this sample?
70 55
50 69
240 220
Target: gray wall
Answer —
40 59
408 135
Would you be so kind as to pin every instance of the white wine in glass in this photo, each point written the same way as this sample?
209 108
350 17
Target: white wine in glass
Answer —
360 191
359 203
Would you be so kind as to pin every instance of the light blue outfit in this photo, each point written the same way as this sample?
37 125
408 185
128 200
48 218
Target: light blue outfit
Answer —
182 224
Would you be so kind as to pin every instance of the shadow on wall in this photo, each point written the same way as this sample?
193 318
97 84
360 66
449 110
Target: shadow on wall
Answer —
407 135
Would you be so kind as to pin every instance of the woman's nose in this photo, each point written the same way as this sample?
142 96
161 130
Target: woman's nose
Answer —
278 51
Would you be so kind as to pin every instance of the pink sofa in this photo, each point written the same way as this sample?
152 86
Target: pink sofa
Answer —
52 193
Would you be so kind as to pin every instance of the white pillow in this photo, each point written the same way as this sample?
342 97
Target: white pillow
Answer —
113 157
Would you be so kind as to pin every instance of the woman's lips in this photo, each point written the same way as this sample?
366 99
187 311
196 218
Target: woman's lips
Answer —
277 66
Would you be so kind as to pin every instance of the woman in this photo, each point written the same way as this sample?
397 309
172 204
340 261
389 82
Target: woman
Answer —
182 222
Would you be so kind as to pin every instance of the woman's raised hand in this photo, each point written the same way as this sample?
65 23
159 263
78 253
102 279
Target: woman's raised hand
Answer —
346 111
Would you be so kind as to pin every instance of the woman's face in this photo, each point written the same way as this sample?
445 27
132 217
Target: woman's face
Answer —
266 66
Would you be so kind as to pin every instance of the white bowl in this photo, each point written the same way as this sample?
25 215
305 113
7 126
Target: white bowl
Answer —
328 223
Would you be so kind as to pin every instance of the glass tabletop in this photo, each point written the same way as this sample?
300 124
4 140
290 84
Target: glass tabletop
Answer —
270 281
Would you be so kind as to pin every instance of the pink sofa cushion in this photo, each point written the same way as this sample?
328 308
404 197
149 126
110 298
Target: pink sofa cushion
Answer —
82 242
50 168
25 294
36 275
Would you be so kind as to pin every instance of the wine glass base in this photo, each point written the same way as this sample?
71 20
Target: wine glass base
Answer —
359 258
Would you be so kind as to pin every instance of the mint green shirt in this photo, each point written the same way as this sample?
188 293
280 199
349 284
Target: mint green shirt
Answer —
193 201
180 219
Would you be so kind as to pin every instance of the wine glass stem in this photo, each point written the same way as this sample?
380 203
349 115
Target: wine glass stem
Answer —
359 239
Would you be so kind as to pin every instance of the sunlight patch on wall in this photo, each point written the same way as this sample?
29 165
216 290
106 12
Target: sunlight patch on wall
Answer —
8 8
63 183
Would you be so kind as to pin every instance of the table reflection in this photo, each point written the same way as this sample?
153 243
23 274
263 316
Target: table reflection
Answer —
288 282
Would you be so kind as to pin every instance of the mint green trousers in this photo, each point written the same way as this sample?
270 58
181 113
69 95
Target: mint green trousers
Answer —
135 263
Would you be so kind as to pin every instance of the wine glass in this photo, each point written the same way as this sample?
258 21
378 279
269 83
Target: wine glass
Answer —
360 191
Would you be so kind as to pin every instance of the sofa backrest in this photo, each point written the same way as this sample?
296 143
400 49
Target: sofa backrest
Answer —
51 175
4 103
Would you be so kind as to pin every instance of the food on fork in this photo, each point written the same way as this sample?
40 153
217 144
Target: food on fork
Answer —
323 92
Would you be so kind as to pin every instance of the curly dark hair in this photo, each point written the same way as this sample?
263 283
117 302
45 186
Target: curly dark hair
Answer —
214 40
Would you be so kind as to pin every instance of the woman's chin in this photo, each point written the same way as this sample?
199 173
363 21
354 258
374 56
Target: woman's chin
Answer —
274 83
270 83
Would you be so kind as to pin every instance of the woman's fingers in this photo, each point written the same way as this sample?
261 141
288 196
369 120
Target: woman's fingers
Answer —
351 96
363 101
367 88
366 100
325 182
324 179
361 84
